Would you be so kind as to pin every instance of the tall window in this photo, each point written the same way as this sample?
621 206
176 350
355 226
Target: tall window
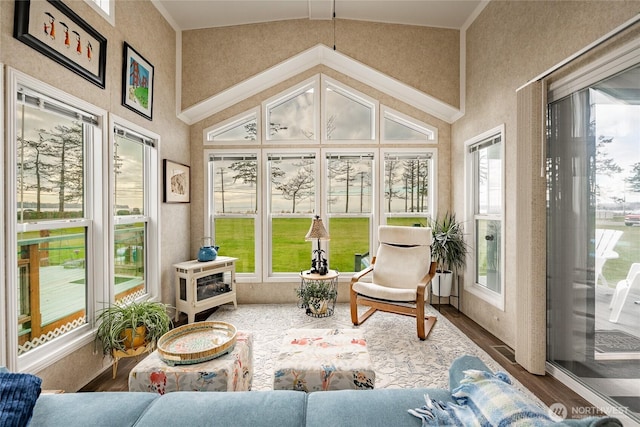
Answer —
349 208
292 201
409 193
55 152
106 8
236 205
337 163
134 164
485 174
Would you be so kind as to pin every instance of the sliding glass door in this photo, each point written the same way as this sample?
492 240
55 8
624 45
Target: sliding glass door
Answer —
593 241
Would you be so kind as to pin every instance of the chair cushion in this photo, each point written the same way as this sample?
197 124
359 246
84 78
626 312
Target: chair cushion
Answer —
401 267
372 290
407 236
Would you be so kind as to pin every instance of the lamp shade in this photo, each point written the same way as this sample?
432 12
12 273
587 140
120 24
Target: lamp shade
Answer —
317 230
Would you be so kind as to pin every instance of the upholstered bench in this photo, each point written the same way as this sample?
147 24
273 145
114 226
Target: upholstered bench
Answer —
323 359
230 372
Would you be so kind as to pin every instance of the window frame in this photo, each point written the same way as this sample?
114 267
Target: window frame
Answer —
411 123
433 179
268 274
209 208
108 15
95 220
151 215
320 147
211 132
292 92
497 299
329 83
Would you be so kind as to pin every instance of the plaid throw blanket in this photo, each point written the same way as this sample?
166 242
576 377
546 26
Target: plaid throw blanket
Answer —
483 399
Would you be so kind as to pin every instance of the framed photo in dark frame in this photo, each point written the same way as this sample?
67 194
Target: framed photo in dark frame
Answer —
137 83
57 32
177 181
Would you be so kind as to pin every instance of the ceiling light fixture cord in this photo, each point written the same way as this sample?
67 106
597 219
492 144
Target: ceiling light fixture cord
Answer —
334 24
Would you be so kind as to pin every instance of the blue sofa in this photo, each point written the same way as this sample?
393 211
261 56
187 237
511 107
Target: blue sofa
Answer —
380 407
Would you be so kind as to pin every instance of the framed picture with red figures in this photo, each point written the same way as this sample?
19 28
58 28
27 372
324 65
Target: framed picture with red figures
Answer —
137 83
56 31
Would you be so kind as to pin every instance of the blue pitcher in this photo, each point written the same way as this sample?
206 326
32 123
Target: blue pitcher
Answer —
207 252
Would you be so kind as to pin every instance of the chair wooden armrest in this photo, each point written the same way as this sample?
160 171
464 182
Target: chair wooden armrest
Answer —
422 285
360 274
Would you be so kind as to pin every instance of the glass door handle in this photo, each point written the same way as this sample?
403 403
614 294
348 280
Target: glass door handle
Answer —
489 237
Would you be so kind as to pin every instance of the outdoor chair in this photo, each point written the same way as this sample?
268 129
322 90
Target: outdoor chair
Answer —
622 291
401 273
606 240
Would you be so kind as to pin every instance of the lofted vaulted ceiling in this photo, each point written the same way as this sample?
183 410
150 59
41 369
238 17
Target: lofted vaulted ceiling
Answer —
194 14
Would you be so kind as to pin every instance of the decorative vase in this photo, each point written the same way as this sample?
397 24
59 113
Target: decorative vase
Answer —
208 251
441 284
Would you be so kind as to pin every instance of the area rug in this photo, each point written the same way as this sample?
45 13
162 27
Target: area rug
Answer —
399 358
616 345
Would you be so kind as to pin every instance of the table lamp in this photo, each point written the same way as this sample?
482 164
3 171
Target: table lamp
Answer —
317 231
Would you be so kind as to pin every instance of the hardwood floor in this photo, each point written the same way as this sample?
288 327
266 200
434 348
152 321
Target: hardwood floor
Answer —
548 389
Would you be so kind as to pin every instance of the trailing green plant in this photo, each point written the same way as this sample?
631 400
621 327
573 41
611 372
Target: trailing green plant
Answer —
115 319
315 292
448 248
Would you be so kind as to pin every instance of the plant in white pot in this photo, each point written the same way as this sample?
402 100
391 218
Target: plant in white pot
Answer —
448 250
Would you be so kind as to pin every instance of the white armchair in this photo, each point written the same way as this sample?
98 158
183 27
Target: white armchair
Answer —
402 270
622 290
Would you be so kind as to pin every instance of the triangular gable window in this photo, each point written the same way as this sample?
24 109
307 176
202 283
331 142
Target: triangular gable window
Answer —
293 116
349 116
398 127
241 128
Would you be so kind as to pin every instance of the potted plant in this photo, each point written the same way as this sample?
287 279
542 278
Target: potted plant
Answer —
125 326
316 295
448 250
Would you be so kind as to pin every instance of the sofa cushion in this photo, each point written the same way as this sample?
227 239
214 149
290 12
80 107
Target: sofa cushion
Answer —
91 409
357 408
278 408
18 395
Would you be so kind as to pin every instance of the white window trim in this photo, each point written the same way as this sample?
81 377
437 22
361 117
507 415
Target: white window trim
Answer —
324 164
433 177
3 282
268 275
109 16
292 92
211 132
153 179
209 210
410 122
359 97
494 298
51 352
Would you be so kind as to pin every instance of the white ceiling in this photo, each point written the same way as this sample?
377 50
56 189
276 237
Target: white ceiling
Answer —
194 14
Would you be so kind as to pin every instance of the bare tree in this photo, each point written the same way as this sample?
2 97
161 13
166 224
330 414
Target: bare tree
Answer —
300 185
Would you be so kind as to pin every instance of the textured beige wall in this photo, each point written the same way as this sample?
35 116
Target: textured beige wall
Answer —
252 293
510 43
141 25
218 58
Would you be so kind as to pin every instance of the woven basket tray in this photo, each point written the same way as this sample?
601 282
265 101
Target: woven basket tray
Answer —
197 342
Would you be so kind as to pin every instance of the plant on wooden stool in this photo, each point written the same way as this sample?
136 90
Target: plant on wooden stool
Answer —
125 326
315 295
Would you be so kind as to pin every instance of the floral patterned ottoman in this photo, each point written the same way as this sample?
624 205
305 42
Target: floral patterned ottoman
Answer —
231 372
323 359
